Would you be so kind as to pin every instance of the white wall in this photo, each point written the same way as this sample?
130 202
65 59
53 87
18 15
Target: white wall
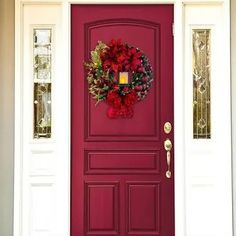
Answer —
6 115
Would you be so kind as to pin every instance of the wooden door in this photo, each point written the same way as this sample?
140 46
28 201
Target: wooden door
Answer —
119 182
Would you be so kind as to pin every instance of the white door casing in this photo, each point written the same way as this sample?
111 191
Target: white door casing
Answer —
203 194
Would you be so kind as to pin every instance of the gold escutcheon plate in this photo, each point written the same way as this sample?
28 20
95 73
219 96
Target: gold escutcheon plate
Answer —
167 127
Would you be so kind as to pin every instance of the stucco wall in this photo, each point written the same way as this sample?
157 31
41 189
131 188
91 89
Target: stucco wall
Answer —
6 115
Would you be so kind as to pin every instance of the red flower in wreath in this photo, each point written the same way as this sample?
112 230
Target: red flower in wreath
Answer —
107 61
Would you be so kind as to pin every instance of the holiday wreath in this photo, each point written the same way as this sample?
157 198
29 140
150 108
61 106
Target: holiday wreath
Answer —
120 74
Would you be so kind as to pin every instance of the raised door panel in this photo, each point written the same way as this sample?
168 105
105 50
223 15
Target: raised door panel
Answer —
143 208
122 162
101 208
143 126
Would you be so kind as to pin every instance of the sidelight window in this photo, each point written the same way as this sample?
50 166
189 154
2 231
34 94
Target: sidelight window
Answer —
201 72
42 74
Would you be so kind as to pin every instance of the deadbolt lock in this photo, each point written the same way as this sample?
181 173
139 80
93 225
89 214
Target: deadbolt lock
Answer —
167 127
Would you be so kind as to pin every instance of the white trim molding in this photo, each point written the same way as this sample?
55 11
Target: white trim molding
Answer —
203 190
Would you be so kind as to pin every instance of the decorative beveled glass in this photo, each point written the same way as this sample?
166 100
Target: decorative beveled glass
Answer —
42 73
201 72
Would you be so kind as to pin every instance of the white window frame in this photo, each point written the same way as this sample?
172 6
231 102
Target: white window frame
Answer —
185 181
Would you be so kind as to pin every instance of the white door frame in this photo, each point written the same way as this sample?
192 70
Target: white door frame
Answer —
193 184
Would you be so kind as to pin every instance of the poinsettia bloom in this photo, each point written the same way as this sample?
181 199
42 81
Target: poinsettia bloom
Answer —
121 58
114 67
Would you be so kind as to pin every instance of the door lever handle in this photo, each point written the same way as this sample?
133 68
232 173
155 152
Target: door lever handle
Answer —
168 147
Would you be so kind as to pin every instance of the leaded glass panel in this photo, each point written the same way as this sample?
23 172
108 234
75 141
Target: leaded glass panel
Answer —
201 83
42 72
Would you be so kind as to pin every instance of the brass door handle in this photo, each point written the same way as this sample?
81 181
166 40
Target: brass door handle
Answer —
168 147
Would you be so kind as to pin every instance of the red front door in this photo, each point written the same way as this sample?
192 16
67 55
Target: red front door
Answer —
119 182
